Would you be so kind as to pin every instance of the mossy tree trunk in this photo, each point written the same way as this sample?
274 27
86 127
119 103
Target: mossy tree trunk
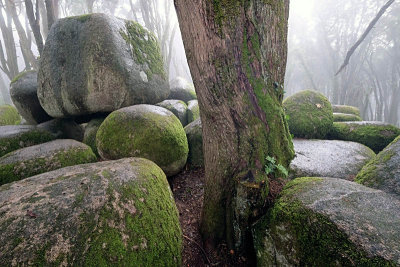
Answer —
237 56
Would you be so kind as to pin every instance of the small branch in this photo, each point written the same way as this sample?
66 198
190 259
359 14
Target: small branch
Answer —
201 248
364 35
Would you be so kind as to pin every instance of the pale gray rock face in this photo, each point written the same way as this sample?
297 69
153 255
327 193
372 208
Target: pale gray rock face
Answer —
178 107
23 93
194 135
97 64
89 214
328 221
193 111
328 158
181 89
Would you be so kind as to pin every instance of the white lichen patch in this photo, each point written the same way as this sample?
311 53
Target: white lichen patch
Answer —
143 75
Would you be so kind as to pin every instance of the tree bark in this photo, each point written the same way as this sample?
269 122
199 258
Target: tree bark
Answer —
51 16
34 22
237 56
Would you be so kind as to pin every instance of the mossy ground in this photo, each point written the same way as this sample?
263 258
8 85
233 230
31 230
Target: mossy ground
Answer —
306 238
309 114
9 115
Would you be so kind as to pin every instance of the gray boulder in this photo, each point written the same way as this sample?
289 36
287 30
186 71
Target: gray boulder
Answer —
89 137
193 111
329 222
23 91
324 158
178 107
195 140
383 171
101 214
33 160
96 64
19 136
181 89
345 117
346 109
63 129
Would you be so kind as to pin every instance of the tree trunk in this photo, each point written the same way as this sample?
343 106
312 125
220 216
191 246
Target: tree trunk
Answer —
237 56
34 22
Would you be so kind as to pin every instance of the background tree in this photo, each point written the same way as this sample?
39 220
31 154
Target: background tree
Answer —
237 57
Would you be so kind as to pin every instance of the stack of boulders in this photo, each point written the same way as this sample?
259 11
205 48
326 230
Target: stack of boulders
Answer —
84 180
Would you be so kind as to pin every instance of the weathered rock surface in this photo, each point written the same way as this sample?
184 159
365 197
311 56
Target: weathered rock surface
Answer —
9 115
383 171
195 140
325 158
63 129
329 222
23 91
101 214
346 109
147 131
309 114
33 160
178 107
19 136
193 111
91 129
374 134
345 117
96 63
181 89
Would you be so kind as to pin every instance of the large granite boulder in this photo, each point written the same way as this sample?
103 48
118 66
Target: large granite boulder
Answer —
193 112
89 137
19 136
96 63
181 89
33 160
114 213
309 114
345 117
23 91
383 171
147 131
346 109
374 134
178 107
63 129
195 140
9 115
325 158
329 222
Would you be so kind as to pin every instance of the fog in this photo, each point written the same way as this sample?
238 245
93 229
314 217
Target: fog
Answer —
320 34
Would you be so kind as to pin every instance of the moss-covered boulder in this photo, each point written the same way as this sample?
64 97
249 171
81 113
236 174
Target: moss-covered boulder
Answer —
9 115
374 134
329 222
346 109
345 117
33 160
97 63
195 140
178 107
309 114
23 91
329 158
147 131
181 89
115 213
193 111
91 129
19 136
63 129
383 171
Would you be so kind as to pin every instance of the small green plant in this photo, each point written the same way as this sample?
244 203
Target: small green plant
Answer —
271 167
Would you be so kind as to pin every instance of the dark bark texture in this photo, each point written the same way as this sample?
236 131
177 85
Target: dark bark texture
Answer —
237 56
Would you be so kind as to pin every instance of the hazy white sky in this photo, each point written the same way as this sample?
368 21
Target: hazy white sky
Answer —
303 7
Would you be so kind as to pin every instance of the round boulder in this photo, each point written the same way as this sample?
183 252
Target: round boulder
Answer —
9 115
193 111
23 91
346 109
181 89
147 131
89 138
195 140
178 107
33 160
309 114
345 117
115 213
63 129
96 63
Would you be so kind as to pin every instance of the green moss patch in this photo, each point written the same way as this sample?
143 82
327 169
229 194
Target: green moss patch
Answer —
9 115
345 117
346 109
309 114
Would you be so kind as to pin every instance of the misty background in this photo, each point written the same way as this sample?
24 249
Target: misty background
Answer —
320 34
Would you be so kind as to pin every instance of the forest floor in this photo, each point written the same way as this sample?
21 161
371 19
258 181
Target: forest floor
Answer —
188 190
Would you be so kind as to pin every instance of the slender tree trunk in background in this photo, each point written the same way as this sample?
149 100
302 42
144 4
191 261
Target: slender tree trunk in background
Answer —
8 59
34 21
4 91
51 16
237 55
43 20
